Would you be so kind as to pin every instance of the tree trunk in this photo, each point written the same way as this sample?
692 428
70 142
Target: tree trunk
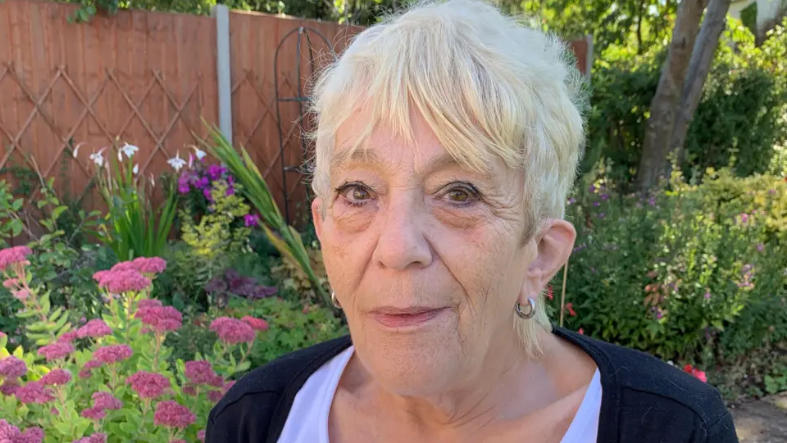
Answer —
701 60
663 107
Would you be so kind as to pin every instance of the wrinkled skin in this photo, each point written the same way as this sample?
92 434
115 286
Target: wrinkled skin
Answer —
406 226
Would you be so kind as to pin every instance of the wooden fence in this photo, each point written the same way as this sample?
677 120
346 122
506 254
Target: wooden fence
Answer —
149 78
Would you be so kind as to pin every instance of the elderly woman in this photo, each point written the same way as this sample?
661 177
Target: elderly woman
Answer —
447 141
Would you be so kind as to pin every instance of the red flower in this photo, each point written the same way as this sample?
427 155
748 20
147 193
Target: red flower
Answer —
257 324
696 373
570 308
581 331
549 293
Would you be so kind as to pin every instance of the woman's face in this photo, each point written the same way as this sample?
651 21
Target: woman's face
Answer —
427 259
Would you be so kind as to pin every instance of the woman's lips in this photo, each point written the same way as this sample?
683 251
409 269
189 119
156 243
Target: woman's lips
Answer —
397 318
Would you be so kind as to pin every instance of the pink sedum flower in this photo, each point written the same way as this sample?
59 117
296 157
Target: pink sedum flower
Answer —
11 283
12 367
215 396
148 384
161 318
100 276
200 372
10 256
8 388
95 438
56 377
232 331
112 354
7 430
94 413
190 390
31 435
124 266
95 328
85 373
55 350
171 414
201 435
119 282
150 265
148 303
68 337
257 324
105 400
33 392
21 295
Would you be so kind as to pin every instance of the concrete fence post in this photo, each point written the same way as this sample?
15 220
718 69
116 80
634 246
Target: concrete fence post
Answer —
223 67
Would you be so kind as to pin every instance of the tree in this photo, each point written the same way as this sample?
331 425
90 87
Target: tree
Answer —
663 107
701 58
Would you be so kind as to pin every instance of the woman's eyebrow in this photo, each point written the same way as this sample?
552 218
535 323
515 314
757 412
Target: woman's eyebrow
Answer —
369 157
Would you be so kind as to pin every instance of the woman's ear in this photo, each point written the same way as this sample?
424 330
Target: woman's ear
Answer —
554 244
317 216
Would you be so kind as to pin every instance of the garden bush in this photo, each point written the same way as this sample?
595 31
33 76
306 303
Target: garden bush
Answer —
694 275
111 379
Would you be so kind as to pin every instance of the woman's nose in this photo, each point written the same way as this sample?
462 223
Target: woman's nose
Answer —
402 242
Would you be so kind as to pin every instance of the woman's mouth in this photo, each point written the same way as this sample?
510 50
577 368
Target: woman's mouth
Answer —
405 318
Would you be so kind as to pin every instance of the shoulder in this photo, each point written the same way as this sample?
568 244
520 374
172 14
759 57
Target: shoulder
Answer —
641 393
247 410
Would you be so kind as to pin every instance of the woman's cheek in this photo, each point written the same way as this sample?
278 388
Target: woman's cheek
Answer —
351 219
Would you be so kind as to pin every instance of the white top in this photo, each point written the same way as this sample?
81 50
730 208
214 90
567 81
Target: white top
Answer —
308 418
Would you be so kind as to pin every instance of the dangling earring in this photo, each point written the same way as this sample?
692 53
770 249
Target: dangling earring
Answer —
526 313
334 301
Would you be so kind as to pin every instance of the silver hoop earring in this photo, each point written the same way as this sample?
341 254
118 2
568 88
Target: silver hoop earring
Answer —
526 313
334 301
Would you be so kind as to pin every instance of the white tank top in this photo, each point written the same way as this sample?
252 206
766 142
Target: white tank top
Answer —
307 421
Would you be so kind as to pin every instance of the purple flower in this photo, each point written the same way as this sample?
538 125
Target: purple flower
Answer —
596 204
652 201
707 295
251 220
592 188
215 172
202 183
605 196
206 193
601 215
230 191
760 247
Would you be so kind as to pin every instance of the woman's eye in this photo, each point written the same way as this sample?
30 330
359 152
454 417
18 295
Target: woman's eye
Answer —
355 194
461 195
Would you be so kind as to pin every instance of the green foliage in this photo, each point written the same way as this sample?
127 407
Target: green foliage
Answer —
291 326
739 122
285 238
134 228
696 274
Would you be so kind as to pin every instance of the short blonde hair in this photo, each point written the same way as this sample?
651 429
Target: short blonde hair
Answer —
487 86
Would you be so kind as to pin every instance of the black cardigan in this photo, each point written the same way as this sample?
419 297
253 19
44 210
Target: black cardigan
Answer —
644 400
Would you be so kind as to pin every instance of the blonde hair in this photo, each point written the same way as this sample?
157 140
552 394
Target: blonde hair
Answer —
487 86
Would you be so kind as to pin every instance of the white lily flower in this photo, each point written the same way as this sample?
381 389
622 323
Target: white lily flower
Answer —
136 169
97 158
198 152
76 149
129 150
176 162
120 156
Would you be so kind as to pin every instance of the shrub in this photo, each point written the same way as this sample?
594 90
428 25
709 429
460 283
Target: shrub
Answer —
113 376
690 275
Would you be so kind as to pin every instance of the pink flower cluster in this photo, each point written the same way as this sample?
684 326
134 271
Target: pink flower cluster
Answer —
696 373
101 402
120 281
150 265
232 331
215 396
89 366
33 392
112 354
148 384
12 367
17 290
10 256
201 372
55 351
8 388
56 377
68 337
94 329
95 438
173 415
161 318
11 434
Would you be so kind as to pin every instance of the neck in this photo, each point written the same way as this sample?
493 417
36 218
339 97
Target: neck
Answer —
507 386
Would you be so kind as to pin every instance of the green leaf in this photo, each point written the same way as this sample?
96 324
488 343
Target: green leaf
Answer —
57 211
25 314
41 203
17 205
55 314
16 227
38 326
19 352
45 304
